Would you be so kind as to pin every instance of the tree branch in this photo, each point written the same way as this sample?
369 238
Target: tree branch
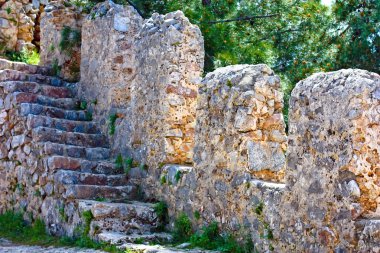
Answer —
247 18
137 9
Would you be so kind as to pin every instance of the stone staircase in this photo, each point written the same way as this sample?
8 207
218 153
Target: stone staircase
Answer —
78 155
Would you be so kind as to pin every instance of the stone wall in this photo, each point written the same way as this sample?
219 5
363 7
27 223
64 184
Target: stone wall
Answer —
108 64
64 56
165 90
216 149
239 140
24 179
150 69
332 197
19 24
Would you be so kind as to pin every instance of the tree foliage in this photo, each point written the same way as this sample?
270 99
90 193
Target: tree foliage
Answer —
295 37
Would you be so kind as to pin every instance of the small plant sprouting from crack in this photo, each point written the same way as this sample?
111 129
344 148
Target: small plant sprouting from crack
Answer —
259 208
197 215
87 218
178 176
111 122
163 180
82 105
161 209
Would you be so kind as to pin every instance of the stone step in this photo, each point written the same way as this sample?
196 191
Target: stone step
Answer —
138 247
14 75
23 97
68 177
26 68
119 193
37 88
127 218
44 134
35 121
92 154
53 112
120 238
81 165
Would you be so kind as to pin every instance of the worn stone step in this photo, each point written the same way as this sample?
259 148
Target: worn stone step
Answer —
35 121
93 154
120 238
127 192
37 88
14 75
81 165
138 247
23 97
26 68
73 177
128 218
53 112
44 134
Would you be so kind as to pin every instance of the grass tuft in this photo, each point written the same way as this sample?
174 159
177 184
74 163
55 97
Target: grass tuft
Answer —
161 210
13 227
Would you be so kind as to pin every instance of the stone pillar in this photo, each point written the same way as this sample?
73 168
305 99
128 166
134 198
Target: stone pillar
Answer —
240 125
333 174
108 64
63 54
170 54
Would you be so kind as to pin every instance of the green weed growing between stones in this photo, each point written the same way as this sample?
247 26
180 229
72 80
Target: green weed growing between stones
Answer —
87 218
128 163
111 123
210 237
55 67
163 180
70 38
161 210
197 215
182 229
178 176
13 227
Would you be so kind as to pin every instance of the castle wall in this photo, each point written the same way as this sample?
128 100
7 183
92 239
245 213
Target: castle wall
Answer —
332 197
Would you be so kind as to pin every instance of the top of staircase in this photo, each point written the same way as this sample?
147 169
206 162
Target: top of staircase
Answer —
26 68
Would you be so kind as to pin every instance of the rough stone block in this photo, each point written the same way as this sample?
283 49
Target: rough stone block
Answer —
333 162
233 130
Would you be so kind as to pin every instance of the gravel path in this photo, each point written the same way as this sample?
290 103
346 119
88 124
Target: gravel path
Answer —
8 247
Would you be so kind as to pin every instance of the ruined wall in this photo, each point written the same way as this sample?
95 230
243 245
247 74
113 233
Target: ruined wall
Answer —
64 56
24 179
170 54
239 140
19 24
240 125
108 61
332 201
149 71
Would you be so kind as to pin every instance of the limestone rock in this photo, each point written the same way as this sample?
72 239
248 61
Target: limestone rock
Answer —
332 160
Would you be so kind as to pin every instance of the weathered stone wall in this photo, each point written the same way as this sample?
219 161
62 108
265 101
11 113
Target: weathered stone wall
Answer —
332 197
238 108
240 125
149 71
170 54
24 178
19 24
108 62
64 58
